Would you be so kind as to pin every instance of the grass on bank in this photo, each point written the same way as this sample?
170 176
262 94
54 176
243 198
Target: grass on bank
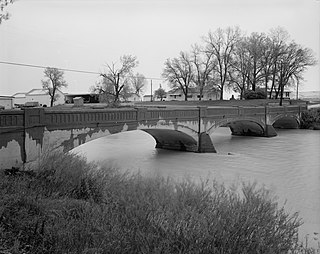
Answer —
310 119
71 206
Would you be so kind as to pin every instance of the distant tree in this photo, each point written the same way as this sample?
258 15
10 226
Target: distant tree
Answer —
239 69
126 93
203 65
116 80
3 4
257 94
180 73
53 82
222 44
266 62
254 44
292 63
160 93
279 38
138 83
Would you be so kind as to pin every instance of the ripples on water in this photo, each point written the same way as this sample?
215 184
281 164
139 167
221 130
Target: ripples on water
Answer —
287 164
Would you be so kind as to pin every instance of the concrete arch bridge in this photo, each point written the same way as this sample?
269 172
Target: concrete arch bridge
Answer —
26 134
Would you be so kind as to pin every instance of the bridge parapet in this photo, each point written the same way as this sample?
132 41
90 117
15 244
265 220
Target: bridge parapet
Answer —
11 119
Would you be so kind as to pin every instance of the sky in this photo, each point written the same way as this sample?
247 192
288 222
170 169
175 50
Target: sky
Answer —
87 35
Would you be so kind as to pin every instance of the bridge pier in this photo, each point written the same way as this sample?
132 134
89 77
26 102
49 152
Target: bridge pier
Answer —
205 144
269 131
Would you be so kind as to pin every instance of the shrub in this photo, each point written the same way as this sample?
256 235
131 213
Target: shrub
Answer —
257 94
70 206
69 175
310 118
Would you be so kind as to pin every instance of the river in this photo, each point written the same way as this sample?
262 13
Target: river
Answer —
288 165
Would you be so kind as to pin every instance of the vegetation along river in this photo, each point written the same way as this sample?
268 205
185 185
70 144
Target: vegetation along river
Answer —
288 165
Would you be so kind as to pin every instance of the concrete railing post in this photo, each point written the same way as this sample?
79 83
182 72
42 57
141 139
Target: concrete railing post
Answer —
204 141
240 111
141 114
202 115
33 117
269 131
266 112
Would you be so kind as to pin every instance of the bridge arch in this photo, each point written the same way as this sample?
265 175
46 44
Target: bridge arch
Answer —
243 127
286 122
173 140
165 138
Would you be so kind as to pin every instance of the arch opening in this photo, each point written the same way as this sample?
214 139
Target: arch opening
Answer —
246 128
173 140
286 122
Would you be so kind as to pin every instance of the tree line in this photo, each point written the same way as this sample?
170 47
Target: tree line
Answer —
226 59
229 59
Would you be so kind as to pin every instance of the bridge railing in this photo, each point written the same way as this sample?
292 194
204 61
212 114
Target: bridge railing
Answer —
222 111
10 119
56 117
171 113
287 109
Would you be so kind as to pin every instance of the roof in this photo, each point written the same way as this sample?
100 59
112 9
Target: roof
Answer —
37 92
19 95
5 97
191 90
80 94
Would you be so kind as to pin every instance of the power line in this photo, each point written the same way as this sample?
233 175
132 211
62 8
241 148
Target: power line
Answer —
43 67
63 69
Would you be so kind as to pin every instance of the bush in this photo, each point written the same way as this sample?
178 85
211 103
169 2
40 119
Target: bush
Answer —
257 94
310 118
70 206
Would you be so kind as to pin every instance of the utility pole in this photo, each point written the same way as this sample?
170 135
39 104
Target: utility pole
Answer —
151 91
297 90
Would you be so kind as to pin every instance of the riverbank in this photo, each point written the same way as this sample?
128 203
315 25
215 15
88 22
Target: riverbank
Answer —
70 206
311 119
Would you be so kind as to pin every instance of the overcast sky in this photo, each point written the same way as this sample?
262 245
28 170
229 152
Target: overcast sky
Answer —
87 34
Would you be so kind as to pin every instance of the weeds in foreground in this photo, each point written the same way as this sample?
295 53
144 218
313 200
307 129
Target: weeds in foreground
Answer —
71 206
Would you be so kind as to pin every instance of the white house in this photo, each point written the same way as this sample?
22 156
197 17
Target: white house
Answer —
287 94
147 97
19 99
133 98
39 96
6 102
193 95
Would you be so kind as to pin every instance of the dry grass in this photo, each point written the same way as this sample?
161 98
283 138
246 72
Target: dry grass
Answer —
70 206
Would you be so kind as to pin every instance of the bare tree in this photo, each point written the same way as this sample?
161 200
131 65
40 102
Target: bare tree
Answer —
138 82
179 72
160 93
115 79
203 63
279 38
3 14
240 68
254 44
222 43
54 82
292 63
266 62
